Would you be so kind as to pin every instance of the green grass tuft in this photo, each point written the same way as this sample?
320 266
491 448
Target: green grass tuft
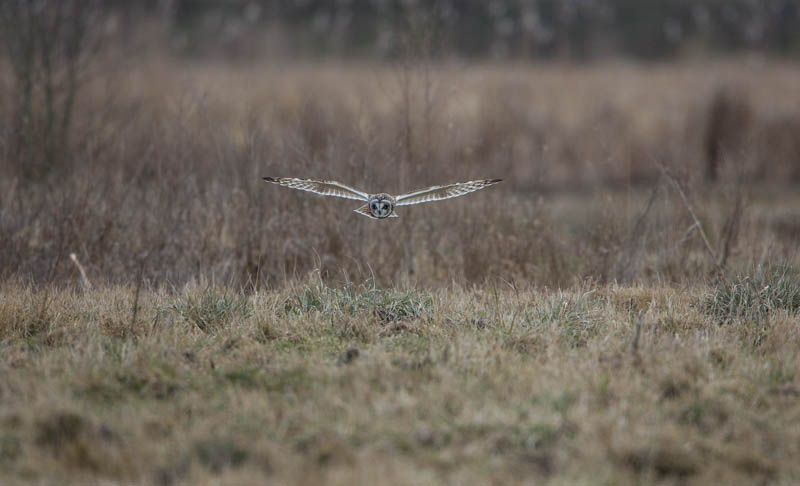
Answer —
387 305
576 316
211 311
754 297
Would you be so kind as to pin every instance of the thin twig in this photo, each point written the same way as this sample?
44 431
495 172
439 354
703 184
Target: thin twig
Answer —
637 331
687 234
87 285
689 208
138 289
626 265
731 226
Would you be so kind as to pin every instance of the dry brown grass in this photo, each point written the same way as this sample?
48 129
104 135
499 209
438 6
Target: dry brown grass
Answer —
311 385
166 174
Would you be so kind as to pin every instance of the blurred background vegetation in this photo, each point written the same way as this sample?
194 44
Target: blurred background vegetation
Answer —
499 29
640 141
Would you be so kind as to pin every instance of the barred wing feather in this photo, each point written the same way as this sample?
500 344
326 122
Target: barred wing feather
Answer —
437 193
324 188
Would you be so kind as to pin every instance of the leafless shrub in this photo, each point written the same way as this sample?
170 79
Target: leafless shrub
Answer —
626 267
48 43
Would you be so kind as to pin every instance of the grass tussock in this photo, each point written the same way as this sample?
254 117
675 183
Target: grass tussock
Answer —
577 316
386 305
753 297
210 310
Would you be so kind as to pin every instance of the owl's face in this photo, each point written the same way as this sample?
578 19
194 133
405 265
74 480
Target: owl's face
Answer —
381 205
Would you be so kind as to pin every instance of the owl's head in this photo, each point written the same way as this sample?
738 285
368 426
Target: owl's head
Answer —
381 205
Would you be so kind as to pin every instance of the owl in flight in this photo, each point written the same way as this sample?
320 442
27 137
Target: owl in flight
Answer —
381 206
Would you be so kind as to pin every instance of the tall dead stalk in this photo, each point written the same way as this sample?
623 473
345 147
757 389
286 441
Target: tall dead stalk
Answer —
697 224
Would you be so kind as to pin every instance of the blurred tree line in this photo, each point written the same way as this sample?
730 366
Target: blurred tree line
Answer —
573 29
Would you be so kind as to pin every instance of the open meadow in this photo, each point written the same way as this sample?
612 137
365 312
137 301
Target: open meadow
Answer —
621 310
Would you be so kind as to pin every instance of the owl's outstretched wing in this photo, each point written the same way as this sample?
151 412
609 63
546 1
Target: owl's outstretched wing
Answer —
437 193
324 188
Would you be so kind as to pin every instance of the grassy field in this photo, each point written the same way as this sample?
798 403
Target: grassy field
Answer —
596 384
622 309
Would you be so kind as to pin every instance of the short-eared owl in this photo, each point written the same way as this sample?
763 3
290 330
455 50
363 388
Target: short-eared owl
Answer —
380 206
